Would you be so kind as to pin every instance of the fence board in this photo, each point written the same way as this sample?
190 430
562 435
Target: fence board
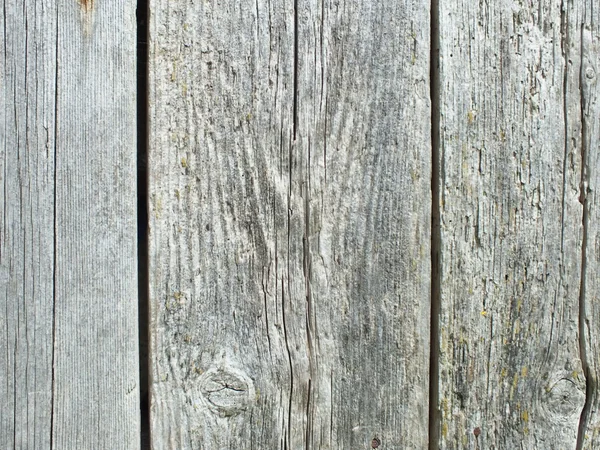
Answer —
590 313
290 226
68 330
511 224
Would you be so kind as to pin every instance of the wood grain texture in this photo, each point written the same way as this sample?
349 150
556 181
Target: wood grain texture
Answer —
290 224
68 327
511 224
589 438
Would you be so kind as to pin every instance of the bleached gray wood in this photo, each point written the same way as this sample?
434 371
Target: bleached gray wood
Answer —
511 224
68 326
290 226
590 313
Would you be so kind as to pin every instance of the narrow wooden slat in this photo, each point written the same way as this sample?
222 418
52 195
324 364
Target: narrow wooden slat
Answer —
68 364
290 215
589 438
27 123
511 224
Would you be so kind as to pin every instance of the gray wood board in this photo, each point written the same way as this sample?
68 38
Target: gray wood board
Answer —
590 312
289 226
511 372
68 327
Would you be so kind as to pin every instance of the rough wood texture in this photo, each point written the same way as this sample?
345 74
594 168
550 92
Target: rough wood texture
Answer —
511 224
590 313
290 224
68 327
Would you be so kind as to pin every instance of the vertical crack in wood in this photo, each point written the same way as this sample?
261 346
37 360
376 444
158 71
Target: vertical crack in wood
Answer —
295 101
434 87
585 167
54 240
287 438
142 213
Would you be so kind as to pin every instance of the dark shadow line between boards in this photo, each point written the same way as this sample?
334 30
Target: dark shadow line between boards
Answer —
142 14
434 364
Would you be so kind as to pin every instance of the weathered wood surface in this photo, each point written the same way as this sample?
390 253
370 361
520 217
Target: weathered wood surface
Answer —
512 140
68 326
290 224
590 312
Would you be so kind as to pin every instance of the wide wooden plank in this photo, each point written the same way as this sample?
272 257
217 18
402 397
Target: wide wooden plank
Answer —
221 129
289 229
363 188
589 437
68 331
511 224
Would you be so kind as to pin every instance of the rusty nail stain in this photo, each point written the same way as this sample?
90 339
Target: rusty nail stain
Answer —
88 5
477 432
375 443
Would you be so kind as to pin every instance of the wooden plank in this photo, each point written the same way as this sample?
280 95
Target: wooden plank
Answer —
590 308
511 225
68 364
364 176
27 120
290 224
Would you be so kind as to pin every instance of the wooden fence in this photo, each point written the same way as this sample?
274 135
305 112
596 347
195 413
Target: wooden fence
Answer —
369 224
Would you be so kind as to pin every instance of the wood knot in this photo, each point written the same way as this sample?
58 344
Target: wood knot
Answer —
227 392
563 400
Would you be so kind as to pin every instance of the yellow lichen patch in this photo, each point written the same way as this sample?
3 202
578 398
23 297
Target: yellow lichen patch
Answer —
444 429
517 328
184 163
523 372
174 72
525 416
157 206
471 116
514 385
484 313
445 407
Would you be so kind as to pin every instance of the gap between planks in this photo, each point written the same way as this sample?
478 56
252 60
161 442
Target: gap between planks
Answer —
142 213
434 344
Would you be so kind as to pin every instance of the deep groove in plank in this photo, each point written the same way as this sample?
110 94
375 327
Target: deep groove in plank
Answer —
589 386
434 86
295 101
142 211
